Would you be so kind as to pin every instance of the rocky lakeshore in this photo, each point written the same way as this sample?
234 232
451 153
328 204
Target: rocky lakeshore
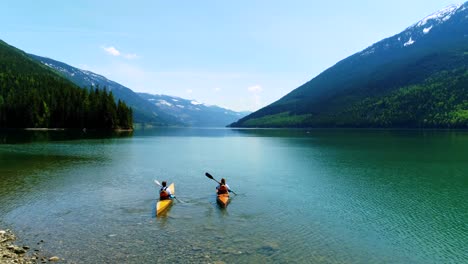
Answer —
11 253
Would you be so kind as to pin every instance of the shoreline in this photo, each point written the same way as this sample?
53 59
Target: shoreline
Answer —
10 253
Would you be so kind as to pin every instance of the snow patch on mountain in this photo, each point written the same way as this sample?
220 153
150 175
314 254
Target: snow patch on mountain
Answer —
446 18
368 51
426 30
90 77
409 42
441 15
163 102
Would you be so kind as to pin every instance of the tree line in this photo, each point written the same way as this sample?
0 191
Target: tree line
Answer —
440 102
43 101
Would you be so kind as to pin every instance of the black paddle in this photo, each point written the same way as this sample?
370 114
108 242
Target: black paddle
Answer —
211 177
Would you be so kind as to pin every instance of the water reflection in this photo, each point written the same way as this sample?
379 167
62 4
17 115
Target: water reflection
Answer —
30 136
185 132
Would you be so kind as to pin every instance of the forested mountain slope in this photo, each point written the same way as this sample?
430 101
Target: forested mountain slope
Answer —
32 95
143 111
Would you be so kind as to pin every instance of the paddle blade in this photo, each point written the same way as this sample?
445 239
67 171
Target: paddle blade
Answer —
209 175
157 182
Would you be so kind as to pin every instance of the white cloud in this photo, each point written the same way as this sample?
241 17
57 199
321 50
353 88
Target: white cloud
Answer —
217 89
111 50
255 89
189 91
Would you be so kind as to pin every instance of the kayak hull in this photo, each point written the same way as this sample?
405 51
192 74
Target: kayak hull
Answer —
223 199
163 205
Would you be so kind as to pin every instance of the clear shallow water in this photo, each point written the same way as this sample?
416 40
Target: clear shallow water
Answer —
318 196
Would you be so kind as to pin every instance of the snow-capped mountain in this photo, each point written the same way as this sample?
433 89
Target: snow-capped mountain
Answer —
422 30
159 110
439 16
194 113
423 66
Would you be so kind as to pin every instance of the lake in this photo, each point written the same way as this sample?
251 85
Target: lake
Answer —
303 196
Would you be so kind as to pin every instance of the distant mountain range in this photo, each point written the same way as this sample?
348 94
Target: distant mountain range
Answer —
159 110
417 78
193 113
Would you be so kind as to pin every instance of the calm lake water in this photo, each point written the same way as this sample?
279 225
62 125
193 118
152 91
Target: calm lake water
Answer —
318 196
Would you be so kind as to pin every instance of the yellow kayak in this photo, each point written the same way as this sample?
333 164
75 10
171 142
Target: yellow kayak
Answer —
161 206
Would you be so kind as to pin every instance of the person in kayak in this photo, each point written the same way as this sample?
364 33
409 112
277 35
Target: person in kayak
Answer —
164 192
223 188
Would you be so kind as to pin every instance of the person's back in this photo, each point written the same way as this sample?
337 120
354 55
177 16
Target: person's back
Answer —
223 188
164 192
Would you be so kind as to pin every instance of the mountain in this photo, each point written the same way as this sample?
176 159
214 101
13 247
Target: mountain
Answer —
193 113
159 110
144 112
34 96
417 78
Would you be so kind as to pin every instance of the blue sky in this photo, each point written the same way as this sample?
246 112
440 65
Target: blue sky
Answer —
241 55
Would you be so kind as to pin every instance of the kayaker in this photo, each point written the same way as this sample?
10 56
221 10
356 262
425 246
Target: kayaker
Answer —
164 192
223 187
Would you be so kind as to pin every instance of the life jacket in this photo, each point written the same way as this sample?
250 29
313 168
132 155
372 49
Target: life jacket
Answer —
222 189
163 194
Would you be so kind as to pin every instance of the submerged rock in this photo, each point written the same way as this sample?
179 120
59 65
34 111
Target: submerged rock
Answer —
268 248
19 250
54 258
13 254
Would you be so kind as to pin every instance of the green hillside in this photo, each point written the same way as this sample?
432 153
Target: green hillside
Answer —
440 101
31 95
